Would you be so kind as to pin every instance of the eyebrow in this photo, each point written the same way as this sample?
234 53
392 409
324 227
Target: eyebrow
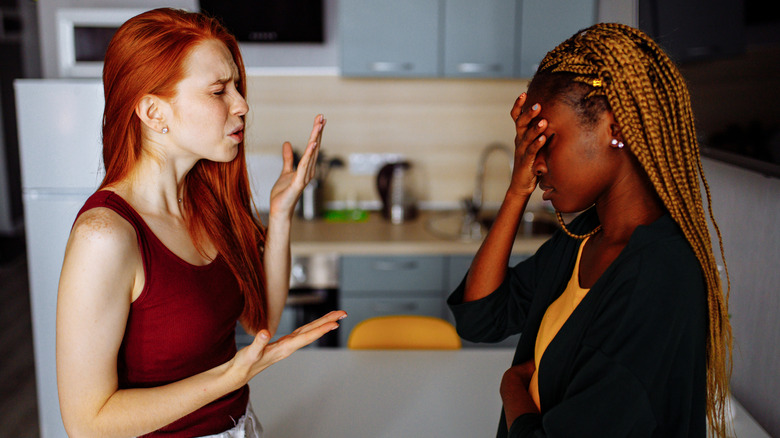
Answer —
234 77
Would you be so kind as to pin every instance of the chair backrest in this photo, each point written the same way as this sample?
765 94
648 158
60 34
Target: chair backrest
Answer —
404 332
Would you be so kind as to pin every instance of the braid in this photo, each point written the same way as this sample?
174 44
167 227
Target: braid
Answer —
651 104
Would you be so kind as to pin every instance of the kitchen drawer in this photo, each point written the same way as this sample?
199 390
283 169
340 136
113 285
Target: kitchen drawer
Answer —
392 274
362 308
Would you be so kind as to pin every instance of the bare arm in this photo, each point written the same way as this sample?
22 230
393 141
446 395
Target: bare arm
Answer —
284 196
101 274
489 265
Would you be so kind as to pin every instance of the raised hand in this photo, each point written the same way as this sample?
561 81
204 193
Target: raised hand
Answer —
292 181
529 139
259 355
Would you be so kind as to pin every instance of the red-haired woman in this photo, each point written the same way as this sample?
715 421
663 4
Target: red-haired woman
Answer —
167 255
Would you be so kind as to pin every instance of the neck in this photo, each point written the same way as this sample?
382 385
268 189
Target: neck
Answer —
629 205
155 185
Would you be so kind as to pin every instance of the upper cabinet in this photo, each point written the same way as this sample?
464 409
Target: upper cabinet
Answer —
479 38
455 38
543 24
389 37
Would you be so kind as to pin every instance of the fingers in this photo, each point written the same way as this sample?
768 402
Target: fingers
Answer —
333 316
529 128
517 108
304 335
287 157
308 164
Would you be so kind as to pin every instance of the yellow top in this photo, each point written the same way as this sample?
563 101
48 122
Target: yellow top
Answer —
554 318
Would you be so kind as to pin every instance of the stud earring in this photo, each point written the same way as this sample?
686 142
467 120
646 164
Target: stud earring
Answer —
165 130
616 143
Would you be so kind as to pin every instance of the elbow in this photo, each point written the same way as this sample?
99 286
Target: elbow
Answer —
77 429
80 426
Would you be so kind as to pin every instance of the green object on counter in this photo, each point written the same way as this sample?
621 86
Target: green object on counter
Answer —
346 216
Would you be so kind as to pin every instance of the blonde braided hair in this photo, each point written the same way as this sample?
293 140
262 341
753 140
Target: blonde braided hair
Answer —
650 102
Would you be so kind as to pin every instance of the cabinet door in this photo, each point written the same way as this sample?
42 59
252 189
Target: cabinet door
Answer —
360 308
396 274
389 37
479 38
546 23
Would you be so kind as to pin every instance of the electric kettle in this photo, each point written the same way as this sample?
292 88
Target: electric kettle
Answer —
398 200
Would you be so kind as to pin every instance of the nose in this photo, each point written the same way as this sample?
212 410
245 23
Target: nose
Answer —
540 164
239 106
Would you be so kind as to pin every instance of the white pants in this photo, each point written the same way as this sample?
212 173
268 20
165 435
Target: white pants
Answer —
248 426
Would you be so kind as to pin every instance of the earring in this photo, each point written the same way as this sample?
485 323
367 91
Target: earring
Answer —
616 143
165 130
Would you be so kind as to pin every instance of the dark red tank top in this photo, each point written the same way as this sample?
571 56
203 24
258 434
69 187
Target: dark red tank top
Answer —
182 324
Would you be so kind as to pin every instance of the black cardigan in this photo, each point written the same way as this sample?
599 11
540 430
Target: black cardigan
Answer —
631 358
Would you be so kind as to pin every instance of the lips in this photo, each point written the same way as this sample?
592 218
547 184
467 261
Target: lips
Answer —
547 191
237 134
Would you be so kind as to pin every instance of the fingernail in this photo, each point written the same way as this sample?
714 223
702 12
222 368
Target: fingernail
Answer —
541 122
535 107
334 328
264 335
342 317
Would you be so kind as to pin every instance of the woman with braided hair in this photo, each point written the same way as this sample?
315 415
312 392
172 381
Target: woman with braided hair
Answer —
623 318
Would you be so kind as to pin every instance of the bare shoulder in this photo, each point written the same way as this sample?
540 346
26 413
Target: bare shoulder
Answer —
102 251
103 227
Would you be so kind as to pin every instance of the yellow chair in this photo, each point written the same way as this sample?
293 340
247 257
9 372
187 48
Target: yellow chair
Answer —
404 332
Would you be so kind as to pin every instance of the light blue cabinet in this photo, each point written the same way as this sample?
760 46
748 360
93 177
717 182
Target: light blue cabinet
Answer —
389 285
402 285
543 24
393 38
455 38
479 38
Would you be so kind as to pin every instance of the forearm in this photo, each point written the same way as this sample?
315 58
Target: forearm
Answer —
489 265
276 259
134 412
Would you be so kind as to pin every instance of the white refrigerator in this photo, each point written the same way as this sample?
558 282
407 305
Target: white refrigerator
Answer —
60 151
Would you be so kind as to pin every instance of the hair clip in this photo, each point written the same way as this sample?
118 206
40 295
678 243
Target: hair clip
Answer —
596 82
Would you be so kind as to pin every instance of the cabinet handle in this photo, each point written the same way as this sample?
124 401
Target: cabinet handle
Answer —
394 266
477 67
383 66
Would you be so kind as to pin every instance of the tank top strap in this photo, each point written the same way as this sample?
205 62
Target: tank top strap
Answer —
146 238
114 202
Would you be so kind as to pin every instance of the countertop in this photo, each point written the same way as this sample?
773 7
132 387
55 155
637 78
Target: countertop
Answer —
378 236
394 393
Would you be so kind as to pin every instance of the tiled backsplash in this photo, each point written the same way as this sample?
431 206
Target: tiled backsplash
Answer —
439 125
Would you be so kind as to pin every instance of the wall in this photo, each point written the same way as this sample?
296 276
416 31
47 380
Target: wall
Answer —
439 125
747 209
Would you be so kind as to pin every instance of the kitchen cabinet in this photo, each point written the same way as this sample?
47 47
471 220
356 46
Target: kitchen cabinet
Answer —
402 284
479 38
543 24
389 285
389 37
455 38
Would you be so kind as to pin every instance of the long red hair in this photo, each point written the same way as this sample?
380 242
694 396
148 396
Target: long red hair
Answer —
147 56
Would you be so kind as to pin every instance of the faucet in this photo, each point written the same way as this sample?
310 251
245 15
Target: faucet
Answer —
470 227
479 185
